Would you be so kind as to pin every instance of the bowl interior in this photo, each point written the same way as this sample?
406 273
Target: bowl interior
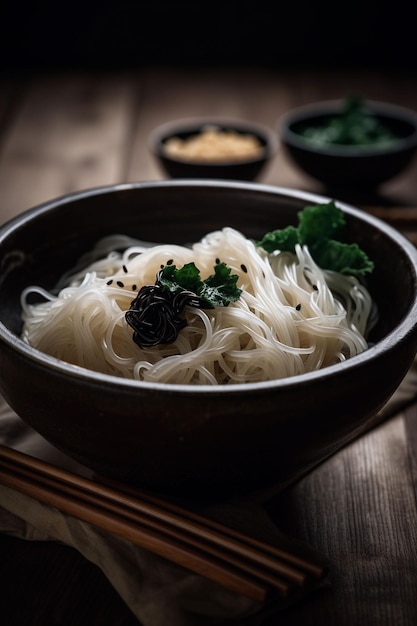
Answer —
44 243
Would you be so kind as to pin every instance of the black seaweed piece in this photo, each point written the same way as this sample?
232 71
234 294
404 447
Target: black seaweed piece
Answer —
156 314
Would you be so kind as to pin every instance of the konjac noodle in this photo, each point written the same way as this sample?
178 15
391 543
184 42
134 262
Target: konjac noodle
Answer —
291 316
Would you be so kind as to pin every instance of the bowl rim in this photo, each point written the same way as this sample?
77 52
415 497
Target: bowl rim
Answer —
401 331
190 124
312 110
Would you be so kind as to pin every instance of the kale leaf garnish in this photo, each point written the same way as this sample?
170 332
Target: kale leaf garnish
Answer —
321 228
219 289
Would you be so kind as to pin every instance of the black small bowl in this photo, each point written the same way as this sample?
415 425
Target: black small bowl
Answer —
242 169
341 166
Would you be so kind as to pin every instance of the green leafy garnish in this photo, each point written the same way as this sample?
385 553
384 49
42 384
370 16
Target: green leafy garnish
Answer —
355 125
321 228
219 289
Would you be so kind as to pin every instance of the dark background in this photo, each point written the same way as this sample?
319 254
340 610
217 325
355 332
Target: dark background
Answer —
50 36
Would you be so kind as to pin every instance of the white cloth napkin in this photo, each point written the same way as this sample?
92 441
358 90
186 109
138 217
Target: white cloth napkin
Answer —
157 591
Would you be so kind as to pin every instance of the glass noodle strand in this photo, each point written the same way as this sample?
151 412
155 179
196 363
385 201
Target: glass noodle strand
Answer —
292 317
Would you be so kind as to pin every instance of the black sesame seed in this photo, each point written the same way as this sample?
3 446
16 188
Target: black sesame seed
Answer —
217 261
315 287
120 284
109 282
125 269
298 307
244 268
162 267
170 261
134 287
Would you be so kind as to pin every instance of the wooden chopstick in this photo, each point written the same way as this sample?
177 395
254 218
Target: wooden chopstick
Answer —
142 532
227 536
184 519
200 563
234 561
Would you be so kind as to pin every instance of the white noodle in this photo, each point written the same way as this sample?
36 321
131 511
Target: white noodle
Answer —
291 318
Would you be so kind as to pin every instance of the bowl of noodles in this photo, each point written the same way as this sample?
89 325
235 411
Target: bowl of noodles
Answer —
203 338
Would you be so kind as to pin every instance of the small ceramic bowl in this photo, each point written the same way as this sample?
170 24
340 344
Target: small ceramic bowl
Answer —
340 165
213 148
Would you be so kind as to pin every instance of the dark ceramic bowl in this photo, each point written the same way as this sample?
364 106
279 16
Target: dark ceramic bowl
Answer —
197 441
239 169
350 166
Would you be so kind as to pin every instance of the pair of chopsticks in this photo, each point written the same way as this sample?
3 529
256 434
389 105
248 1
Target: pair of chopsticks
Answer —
217 552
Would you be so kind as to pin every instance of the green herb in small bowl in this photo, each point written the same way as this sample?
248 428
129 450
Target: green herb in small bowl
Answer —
355 125
350 143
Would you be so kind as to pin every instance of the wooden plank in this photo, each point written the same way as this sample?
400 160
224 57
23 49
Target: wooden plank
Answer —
410 421
359 510
69 133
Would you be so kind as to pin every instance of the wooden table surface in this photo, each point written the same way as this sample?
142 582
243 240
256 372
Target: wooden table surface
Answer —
67 132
